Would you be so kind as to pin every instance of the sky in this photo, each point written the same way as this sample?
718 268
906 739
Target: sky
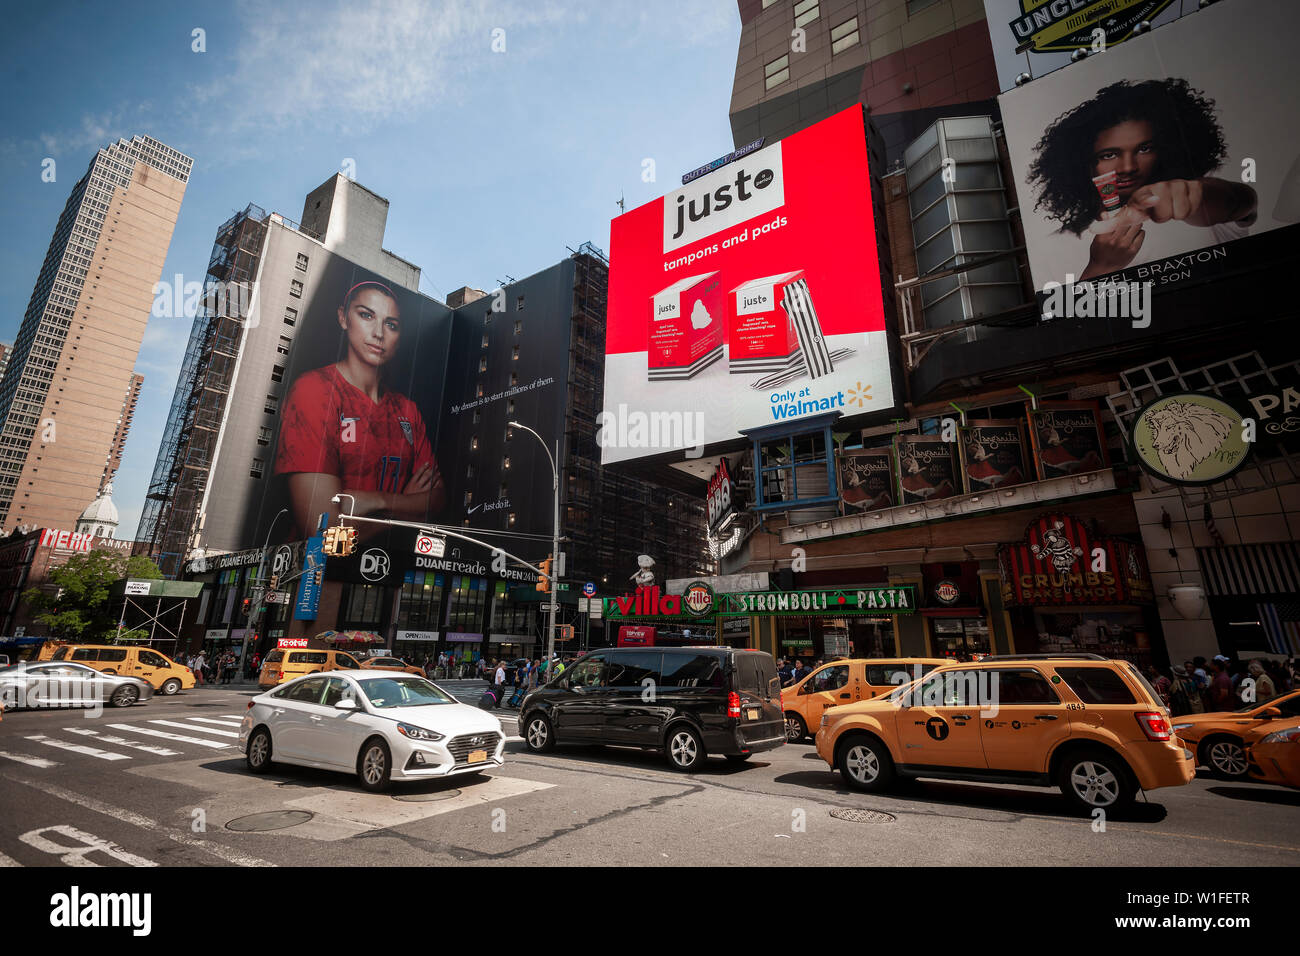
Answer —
500 131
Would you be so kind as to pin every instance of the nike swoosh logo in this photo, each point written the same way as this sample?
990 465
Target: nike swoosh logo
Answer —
474 509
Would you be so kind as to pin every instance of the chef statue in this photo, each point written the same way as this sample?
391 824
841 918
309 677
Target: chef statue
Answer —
645 575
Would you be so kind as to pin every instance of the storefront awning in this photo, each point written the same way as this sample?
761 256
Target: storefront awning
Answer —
1251 569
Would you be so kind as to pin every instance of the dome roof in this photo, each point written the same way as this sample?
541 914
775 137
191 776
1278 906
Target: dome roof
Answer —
102 510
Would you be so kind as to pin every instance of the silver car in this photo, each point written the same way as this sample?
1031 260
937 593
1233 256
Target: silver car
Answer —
63 684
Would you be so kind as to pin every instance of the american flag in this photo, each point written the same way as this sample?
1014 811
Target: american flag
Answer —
1281 622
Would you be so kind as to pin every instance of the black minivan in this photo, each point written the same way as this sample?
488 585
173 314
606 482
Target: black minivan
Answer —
688 701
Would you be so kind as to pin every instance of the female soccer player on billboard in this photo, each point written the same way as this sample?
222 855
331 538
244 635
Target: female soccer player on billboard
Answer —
345 431
1134 155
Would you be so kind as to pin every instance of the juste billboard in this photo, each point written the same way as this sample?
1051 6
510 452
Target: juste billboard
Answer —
752 295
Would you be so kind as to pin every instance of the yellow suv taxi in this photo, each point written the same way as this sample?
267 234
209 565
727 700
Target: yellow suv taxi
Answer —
843 682
283 664
1093 727
162 673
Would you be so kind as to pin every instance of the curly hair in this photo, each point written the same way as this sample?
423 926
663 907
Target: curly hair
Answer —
1188 138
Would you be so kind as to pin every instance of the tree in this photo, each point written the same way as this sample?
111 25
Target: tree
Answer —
79 607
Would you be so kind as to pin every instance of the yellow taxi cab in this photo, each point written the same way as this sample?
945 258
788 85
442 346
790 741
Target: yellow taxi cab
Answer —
1218 738
286 663
843 682
1093 727
1273 753
163 674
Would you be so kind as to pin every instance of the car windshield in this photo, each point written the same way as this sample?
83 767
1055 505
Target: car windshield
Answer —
404 692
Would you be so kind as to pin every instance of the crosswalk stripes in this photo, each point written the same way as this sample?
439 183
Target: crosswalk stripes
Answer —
29 760
123 742
167 735
218 722
206 730
78 748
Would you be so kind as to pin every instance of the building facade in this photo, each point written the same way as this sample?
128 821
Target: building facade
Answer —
71 364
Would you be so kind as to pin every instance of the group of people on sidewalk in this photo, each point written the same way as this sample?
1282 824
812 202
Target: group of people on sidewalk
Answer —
1199 686
222 667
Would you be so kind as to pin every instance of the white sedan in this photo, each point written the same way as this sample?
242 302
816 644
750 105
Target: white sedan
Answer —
380 725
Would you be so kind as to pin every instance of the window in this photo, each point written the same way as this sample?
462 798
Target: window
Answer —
272 403
113 654
277 373
362 607
632 668
511 521
514 379
683 670
505 464
516 355
844 36
290 318
302 262
487 319
806 11
482 364
283 347
295 289
916 6
477 416
519 326
1023 687
469 472
590 673
308 692
768 3
830 678
519 304
473 443
479 392
465 603
420 605
150 659
777 72
263 435
256 470
1096 685
510 433
336 689
85 654
510 406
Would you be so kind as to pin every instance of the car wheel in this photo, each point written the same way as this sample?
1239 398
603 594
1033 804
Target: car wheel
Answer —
539 736
1095 780
685 749
258 757
125 696
1225 757
171 687
865 764
375 765
795 729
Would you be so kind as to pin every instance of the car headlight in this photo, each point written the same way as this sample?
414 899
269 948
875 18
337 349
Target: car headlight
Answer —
1178 727
1290 735
418 733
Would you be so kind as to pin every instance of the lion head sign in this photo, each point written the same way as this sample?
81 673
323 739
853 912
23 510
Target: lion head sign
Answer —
1061 564
1190 439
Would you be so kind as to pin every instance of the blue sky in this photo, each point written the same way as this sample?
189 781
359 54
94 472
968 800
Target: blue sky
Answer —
493 162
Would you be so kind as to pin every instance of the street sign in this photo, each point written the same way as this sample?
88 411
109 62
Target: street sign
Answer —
278 597
431 545
582 604
589 588
559 565
550 607
561 587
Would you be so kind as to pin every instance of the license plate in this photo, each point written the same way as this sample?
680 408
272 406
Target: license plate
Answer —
753 713
477 756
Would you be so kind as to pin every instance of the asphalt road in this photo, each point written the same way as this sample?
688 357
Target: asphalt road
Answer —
164 784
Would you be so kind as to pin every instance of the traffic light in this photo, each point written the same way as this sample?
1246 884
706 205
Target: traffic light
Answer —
331 543
544 582
275 580
566 632
348 542
248 604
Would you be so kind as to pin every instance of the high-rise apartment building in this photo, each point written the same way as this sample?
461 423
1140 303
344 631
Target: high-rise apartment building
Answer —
62 395
5 352
123 428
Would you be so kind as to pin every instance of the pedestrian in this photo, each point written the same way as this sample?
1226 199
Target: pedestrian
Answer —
1160 682
1265 690
1184 696
1220 693
197 665
500 681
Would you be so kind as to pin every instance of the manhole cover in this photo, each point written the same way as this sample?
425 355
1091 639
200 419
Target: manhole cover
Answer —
274 820
863 816
426 797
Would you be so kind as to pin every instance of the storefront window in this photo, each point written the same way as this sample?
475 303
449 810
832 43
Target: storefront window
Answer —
961 637
420 607
1118 634
362 607
466 600
510 617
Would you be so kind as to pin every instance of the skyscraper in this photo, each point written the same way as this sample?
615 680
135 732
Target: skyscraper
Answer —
62 394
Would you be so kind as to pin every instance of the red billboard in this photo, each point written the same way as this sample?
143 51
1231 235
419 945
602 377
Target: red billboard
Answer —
750 296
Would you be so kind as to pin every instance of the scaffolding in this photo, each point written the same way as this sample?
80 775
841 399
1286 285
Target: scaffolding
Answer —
194 422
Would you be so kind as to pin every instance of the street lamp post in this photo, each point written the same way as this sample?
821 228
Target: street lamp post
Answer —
555 542
261 611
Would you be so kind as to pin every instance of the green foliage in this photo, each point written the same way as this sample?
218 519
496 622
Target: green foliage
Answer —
78 606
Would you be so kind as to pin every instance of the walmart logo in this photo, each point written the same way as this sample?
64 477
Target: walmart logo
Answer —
859 395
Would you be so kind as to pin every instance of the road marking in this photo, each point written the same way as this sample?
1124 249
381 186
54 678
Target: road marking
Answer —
144 823
215 744
77 748
8 861
123 742
77 855
30 761
221 723
206 730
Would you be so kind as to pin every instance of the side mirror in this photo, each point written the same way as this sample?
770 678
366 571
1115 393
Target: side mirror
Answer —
347 703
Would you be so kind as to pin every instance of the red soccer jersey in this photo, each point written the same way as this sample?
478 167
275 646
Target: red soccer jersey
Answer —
331 427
